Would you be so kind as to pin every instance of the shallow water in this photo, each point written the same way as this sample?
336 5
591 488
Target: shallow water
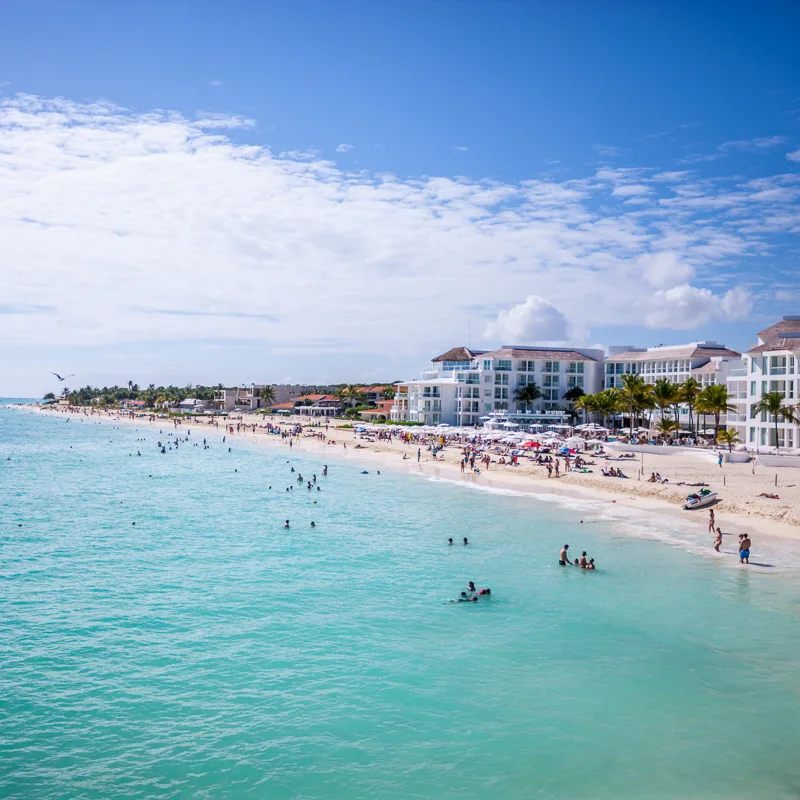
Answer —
207 652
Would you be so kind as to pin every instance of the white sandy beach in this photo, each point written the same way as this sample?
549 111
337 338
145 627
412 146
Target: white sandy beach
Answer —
739 509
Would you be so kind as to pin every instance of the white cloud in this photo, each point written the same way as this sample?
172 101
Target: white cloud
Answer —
793 156
215 83
344 148
533 320
609 151
461 148
665 270
118 227
684 307
631 190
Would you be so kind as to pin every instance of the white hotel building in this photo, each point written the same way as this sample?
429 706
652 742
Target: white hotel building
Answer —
772 365
464 385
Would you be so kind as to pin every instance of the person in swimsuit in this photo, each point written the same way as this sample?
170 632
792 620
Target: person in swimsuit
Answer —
744 550
465 541
718 540
711 520
582 563
563 556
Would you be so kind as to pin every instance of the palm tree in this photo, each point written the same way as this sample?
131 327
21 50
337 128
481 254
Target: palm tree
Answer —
689 390
527 395
607 402
665 395
586 403
634 393
728 437
714 400
388 393
667 426
268 395
772 404
354 394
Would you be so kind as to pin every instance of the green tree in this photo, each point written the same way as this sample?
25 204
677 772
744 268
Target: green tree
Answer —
635 394
665 395
268 395
728 437
574 394
689 391
667 426
527 395
388 393
714 400
772 404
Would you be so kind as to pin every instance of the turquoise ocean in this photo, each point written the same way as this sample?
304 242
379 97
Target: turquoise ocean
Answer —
207 652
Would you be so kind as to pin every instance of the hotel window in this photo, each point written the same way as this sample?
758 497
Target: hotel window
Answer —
487 378
487 364
501 406
575 381
778 386
500 393
763 387
752 434
752 388
764 364
551 366
791 365
501 380
487 406
504 365
791 389
777 365
487 392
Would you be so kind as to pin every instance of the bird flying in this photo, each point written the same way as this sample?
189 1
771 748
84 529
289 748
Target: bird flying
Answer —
64 378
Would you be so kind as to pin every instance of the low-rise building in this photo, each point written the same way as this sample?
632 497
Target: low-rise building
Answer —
243 398
771 365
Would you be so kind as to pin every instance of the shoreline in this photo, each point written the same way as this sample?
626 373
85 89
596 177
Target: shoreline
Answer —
384 455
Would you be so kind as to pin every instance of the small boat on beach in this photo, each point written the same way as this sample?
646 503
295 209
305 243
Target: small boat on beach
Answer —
703 498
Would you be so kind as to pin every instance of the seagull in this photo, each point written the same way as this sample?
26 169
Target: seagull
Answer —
64 378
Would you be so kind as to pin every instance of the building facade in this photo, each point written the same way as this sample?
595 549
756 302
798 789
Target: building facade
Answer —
464 385
772 365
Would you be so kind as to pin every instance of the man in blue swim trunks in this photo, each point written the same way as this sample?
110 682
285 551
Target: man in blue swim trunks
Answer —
744 550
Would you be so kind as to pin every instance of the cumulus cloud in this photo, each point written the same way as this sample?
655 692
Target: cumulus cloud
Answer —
215 83
665 270
794 155
344 148
684 307
533 320
121 227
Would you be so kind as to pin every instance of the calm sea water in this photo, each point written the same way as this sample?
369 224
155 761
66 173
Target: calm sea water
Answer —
206 652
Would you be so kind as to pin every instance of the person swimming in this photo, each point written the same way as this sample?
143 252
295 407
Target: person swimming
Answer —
286 524
450 540
471 587
465 542
312 524
582 563
563 556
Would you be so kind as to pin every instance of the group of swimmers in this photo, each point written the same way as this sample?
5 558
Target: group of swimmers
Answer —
472 594
464 541
565 561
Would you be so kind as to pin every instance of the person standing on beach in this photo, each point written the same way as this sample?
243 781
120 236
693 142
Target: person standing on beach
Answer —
419 455
744 550
719 459
557 467
718 540
711 525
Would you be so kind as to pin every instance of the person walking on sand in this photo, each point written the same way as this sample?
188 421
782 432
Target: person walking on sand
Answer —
718 540
711 524
557 475
719 459
744 550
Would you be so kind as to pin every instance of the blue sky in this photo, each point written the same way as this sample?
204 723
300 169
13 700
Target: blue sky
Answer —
336 190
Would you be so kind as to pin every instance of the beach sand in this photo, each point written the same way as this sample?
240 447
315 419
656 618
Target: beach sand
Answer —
739 509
